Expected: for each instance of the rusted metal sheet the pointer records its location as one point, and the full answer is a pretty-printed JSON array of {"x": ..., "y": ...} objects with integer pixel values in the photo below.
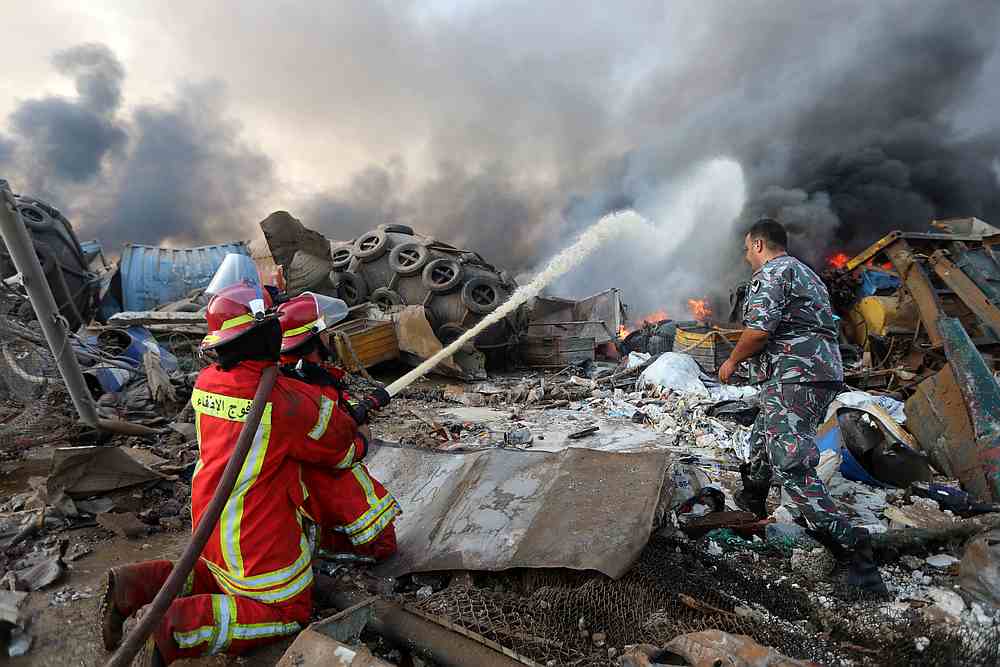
[
  {"x": 967, "y": 290},
  {"x": 599, "y": 316},
  {"x": 871, "y": 251},
  {"x": 982, "y": 397},
  {"x": 556, "y": 351},
  {"x": 938, "y": 420},
  {"x": 498, "y": 509},
  {"x": 919, "y": 285}
]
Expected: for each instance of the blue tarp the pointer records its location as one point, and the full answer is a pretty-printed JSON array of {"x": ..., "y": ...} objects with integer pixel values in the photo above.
[{"x": 874, "y": 281}]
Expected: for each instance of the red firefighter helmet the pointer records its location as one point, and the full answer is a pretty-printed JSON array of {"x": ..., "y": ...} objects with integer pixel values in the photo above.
[
  {"x": 231, "y": 313},
  {"x": 307, "y": 315}
]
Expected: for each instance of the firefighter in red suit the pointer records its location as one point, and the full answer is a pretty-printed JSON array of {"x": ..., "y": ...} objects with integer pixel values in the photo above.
[
  {"x": 354, "y": 511},
  {"x": 253, "y": 582}
]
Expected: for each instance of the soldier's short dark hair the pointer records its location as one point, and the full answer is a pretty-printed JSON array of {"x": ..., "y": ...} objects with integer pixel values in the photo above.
[{"x": 771, "y": 231}]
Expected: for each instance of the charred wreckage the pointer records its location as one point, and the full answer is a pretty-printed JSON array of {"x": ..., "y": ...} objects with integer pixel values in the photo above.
[{"x": 566, "y": 480}]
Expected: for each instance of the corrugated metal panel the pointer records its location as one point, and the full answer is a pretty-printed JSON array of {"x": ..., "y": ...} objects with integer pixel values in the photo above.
[{"x": 154, "y": 276}]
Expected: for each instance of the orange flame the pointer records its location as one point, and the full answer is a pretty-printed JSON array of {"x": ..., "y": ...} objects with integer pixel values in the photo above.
[
  {"x": 700, "y": 309},
  {"x": 652, "y": 318},
  {"x": 838, "y": 261}
]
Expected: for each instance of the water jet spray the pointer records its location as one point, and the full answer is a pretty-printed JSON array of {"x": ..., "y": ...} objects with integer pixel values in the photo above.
[{"x": 590, "y": 240}]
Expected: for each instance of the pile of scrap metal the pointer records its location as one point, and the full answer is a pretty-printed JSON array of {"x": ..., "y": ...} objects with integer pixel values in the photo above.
[
  {"x": 391, "y": 267},
  {"x": 66, "y": 263},
  {"x": 922, "y": 311},
  {"x": 395, "y": 269}
]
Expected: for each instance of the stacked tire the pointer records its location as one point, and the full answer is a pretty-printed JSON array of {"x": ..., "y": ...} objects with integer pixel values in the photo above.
[
  {"x": 73, "y": 285},
  {"x": 391, "y": 265}
]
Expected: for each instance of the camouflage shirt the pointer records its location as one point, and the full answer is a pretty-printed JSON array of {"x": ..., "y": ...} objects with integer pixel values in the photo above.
[{"x": 790, "y": 302}]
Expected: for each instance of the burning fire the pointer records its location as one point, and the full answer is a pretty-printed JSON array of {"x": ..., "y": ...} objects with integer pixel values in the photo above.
[
  {"x": 700, "y": 309},
  {"x": 652, "y": 318},
  {"x": 838, "y": 261}
]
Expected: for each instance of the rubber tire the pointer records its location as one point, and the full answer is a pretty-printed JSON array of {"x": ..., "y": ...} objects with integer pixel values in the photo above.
[
  {"x": 371, "y": 252},
  {"x": 350, "y": 287},
  {"x": 448, "y": 285},
  {"x": 347, "y": 255},
  {"x": 447, "y": 333},
  {"x": 34, "y": 218},
  {"x": 384, "y": 295},
  {"x": 411, "y": 269},
  {"x": 399, "y": 229},
  {"x": 469, "y": 292}
]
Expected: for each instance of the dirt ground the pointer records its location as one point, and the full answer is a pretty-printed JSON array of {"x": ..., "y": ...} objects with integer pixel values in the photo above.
[{"x": 66, "y": 635}]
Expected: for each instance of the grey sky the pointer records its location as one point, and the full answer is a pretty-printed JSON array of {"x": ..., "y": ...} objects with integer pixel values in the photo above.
[{"x": 503, "y": 125}]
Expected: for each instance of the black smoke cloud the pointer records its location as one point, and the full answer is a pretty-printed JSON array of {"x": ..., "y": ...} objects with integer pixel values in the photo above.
[
  {"x": 849, "y": 120},
  {"x": 176, "y": 173},
  {"x": 66, "y": 140},
  {"x": 509, "y": 127}
]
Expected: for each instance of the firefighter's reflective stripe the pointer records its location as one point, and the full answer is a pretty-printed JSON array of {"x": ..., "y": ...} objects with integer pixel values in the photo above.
[
  {"x": 305, "y": 328},
  {"x": 381, "y": 511},
  {"x": 227, "y": 628},
  {"x": 348, "y": 459},
  {"x": 236, "y": 321},
  {"x": 225, "y": 407},
  {"x": 259, "y": 630},
  {"x": 325, "y": 412},
  {"x": 270, "y": 579},
  {"x": 272, "y": 596},
  {"x": 215, "y": 635},
  {"x": 232, "y": 513}
]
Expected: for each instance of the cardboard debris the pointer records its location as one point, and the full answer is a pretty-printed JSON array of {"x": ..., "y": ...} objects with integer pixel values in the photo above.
[
  {"x": 416, "y": 338},
  {"x": 88, "y": 471}
]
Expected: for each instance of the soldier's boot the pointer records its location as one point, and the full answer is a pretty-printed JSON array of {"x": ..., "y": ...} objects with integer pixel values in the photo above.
[
  {"x": 127, "y": 589},
  {"x": 753, "y": 496},
  {"x": 862, "y": 572}
]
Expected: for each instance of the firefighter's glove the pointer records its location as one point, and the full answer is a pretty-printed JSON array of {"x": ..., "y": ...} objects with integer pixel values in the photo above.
[{"x": 378, "y": 399}]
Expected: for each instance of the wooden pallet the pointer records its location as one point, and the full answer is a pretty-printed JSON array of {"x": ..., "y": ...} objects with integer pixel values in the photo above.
[{"x": 364, "y": 343}]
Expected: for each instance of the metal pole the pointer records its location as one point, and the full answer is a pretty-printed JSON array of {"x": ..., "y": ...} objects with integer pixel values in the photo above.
[{"x": 22, "y": 252}]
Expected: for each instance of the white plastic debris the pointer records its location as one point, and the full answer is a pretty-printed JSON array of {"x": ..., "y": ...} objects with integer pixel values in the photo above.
[
  {"x": 636, "y": 359},
  {"x": 921, "y": 644},
  {"x": 860, "y": 399},
  {"x": 950, "y": 602},
  {"x": 675, "y": 371},
  {"x": 941, "y": 561}
]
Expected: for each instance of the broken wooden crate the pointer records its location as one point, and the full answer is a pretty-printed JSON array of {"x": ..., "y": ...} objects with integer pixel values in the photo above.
[{"x": 364, "y": 343}]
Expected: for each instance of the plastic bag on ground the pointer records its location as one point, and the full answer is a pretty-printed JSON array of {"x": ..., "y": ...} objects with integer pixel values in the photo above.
[
  {"x": 675, "y": 371},
  {"x": 858, "y": 399},
  {"x": 636, "y": 359}
]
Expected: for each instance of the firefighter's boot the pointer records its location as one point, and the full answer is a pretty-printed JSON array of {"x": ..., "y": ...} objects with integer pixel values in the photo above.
[
  {"x": 127, "y": 589},
  {"x": 862, "y": 573},
  {"x": 753, "y": 496}
]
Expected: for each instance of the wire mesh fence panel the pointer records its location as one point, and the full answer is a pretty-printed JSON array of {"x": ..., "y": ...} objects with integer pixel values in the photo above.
[
  {"x": 31, "y": 388},
  {"x": 554, "y": 619}
]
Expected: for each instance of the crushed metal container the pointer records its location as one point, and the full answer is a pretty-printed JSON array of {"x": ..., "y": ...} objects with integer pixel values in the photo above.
[
  {"x": 556, "y": 351},
  {"x": 710, "y": 346},
  {"x": 149, "y": 276}
]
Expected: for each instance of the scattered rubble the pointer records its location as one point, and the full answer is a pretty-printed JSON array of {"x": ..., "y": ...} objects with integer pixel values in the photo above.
[{"x": 568, "y": 488}]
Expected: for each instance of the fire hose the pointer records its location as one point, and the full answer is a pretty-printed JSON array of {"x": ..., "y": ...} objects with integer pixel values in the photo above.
[{"x": 154, "y": 612}]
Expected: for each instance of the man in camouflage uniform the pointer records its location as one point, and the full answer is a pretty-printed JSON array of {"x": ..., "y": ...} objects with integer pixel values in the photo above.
[{"x": 791, "y": 341}]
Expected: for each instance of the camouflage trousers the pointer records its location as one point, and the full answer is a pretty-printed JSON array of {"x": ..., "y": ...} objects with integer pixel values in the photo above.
[{"x": 783, "y": 448}]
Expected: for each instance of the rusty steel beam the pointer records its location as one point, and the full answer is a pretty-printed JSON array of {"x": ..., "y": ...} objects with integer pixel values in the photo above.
[
  {"x": 872, "y": 250},
  {"x": 967, "y": 290},
  {"x": 913, "y": 275},
  {"x": 981, "y": 394}
]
